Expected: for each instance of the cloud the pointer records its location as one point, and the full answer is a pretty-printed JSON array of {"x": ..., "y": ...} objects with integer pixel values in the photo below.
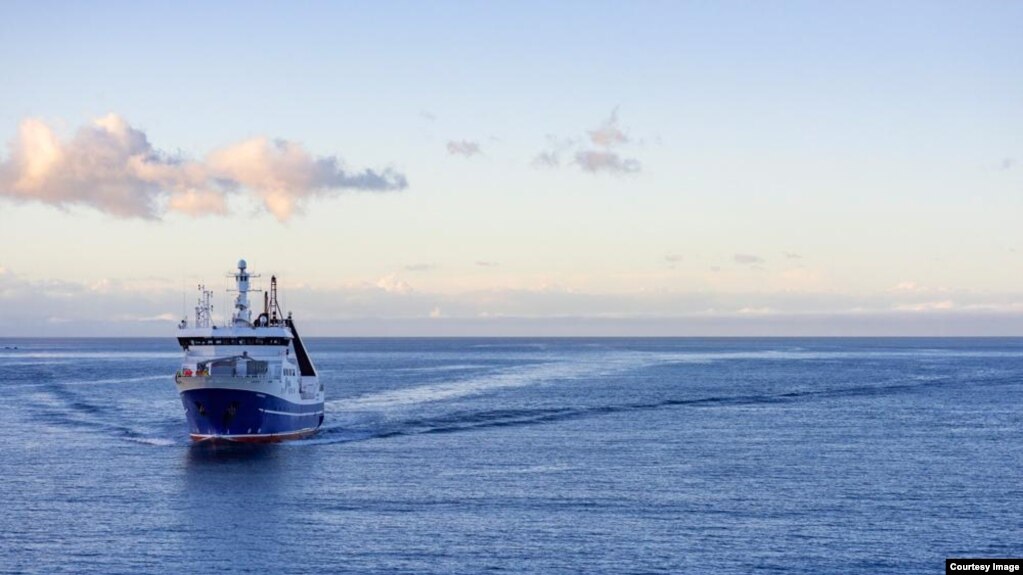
[
  {"x": 162, "y": 317},
  {"x": 747, "y": 259},
  {"x": 594, "y": 161},
  {"x": 283, "y": 174},
  {"x": 906, "y": 287},
  {"x": 464, "y": 148},
  {"x": 394, "y": 285},
  {"x": 595, "y": 154},
  {"x": 107, "y": 165},
  {"x": 912, "y": 288},
  {"x": 198, "y": 202},
  {"x": 34, "y": 306},
  {"x": 557, "y": 148},
  {"x": 608, "y": 134},
  {"x": 548, "y": 159},
  {"x": 389, "y": 306},
  {"x": 792, "y": 256},
  {"x": 941, "y": 305},
  {"x": 112, "y": 167},
  {"x": 420, "y": 267},
  {"x": 756, "y": 311}
]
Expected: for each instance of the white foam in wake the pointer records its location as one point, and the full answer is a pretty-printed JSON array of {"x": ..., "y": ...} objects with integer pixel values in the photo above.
[
  {"x": 155, "y": 441},
  {"x": 509, "y": 378},
  {"x": 161, "y": 377},
  {"x": 113, "y": 380},
  {"x": 602, "y": 364}
]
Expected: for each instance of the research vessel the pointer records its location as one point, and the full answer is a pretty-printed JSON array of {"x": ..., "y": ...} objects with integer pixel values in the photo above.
[{"x": 251, "y": 380}]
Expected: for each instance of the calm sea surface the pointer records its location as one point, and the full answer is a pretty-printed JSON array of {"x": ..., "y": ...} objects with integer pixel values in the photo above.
[{"x": 526, "y": 456}]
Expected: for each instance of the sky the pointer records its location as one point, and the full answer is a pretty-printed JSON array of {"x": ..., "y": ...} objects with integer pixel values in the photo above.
[{"x": 516, "y": 168}]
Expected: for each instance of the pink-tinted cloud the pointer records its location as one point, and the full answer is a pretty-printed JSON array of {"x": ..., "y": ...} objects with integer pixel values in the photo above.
[
  {"x": 609, "y": 134},
  {"x": 107, "y": 165},
  {"x": 605, "y": 161},
  {"x": 283, "y": 174},
  {"x": 596, "y": 154},
  {"x": 111, "y": 166}
]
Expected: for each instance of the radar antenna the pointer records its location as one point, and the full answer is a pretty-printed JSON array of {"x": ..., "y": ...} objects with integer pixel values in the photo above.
[
  {"x": 242, "y": 312},
  {"x": 204, "y": 307}
]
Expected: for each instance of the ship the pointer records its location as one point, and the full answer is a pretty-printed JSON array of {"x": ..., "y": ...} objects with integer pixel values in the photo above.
[{"x": 251, "y": 380}]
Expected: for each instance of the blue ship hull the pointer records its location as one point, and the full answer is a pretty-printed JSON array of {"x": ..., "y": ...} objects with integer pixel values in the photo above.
[{"x": 241, "y": 415}]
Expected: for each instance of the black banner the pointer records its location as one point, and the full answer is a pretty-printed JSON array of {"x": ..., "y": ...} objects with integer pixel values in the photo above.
[{"x": 966, "y": 565}]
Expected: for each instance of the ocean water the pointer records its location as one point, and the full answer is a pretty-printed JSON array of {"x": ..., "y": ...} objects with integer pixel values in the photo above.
[{"x": 526, "y": 456}]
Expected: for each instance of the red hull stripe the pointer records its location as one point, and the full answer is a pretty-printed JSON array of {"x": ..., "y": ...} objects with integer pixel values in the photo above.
[{"x": 256, "y": 438}]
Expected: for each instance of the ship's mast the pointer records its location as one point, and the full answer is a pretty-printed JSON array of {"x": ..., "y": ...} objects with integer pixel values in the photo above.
[
  {"x": 242, "y": 312},
  {"x": 204, "y": 307},
  {"x": 274, "y": 308}
]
